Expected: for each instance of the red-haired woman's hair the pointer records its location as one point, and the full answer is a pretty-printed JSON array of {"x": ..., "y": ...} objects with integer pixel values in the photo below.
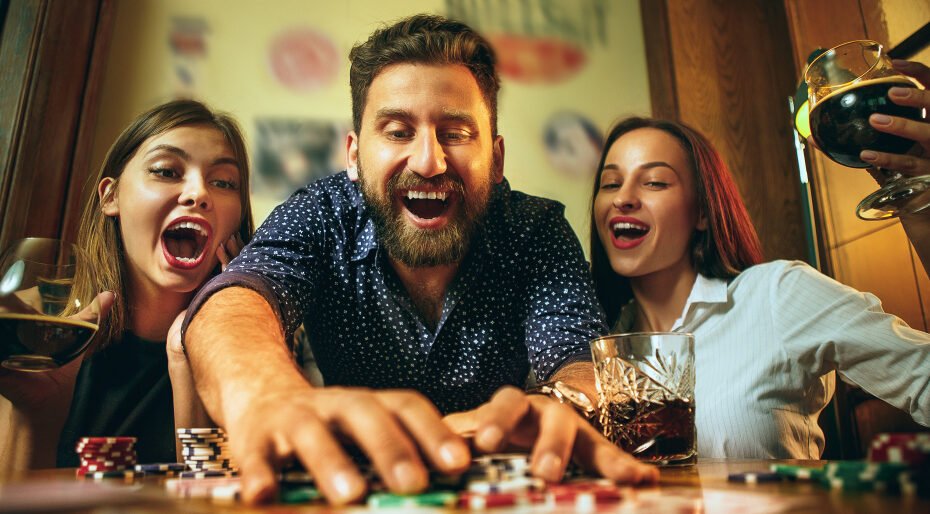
[{"x": 728, "y": 245}]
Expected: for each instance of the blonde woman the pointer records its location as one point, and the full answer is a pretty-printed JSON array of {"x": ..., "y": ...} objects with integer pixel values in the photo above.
[{"x": 170, "y": 209}]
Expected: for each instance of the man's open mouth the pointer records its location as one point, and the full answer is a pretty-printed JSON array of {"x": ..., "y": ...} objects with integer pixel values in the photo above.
[
  {"x": 426, "y": 204},
  {"x": 629, "y": 231},
  {"x": 185, "y": 242}
]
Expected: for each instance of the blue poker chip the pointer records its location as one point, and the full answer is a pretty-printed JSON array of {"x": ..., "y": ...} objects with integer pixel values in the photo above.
[
  {"x": 208, "y": 474},
  {"x": 161, "y": 468},
  {"x": 755, "y": 477}
]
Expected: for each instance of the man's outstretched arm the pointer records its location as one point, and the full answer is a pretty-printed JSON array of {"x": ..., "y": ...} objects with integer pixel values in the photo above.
[{"x": 250, "y": 385}]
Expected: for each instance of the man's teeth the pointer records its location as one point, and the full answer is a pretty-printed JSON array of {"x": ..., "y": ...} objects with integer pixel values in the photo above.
[
  {"x": 191, "y": 225},
  {"x": 629, "y": 226},
  {"x": 423, "y": 195}
]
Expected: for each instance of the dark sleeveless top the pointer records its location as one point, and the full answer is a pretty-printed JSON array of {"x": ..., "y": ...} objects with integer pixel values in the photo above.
[{"x": 123, "y": 390}]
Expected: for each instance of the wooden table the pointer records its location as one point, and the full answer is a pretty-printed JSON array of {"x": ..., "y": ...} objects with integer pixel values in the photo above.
[{"x": 693, "y": 489}]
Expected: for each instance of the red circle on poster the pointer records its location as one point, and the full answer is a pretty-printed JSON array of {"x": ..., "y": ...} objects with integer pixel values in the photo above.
[
  {"x": 303, "y": 59},
  {"x": 531, "y": 59}
]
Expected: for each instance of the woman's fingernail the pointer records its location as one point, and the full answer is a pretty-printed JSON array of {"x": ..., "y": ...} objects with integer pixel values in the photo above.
[
  {"x": 490, "y": 438},
  {"x": 868, "y": 155},
  {"x": 900, "y": 63},
  {"x": 453, "y": 454},
  {"x": 900, "y": 92},
  {"x": 881, "y": 119},
  {"x": 549, "y": 467}
]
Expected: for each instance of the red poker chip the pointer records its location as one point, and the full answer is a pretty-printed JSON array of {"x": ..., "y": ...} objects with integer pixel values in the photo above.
[
  {"x": 107, "y": 440},
  {"x": 475, "y": 501}
]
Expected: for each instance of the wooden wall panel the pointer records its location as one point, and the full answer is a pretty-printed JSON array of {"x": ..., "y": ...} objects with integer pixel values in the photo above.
[
  {"x": 733, "y": 73},
  {"x": 52, "y": 74}
]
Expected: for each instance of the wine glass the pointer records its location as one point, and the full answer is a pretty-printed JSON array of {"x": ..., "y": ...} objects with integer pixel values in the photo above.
[
  {"x": 42, "y": 327},
  {"x": 847, "y": 84}
]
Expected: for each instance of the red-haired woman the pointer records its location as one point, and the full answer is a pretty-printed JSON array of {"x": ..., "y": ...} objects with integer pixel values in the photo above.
[{"x": 673, "y": 249}]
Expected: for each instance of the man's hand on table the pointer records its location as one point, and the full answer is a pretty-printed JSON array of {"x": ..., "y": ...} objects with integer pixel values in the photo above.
[
  {"x": 393, "y": 428},
  {"x": 554, "y": 432}
]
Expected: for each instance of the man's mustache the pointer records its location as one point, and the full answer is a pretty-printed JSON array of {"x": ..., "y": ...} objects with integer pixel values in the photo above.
[{"x": 410, "y": 180}]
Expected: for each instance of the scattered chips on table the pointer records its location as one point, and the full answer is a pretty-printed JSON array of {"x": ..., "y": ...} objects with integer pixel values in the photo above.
[{"x": 897, "y": 463}]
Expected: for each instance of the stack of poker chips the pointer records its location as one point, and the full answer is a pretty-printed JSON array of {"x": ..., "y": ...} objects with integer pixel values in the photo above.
[
  {"x": 897, "y": 463},
  {"x": 206, "y": 453},
  {"x": 107, "y": 457}
]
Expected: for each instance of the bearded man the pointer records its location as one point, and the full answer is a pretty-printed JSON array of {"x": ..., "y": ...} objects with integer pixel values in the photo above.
[{"x": 427, "y": 287}]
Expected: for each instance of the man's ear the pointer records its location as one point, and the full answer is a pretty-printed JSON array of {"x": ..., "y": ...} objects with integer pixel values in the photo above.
[
  {"x": 352, "y": 156},
  {"x": 107, "y": 192},
  {"x": 497, "y": 170}
]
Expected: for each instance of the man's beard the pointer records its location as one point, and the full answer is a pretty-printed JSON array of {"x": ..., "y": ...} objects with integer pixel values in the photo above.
[{"x": 419, "y": 248}]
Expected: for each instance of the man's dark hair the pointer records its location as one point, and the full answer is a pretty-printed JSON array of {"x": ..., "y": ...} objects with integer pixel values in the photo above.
[{"x": 423, "y": 39}]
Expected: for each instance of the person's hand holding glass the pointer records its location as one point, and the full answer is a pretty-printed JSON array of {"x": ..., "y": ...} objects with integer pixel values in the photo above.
[{"x": 847, "y": 85}]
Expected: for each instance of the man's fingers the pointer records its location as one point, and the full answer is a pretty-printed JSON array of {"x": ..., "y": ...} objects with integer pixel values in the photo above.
[
  {"x": 906, "y": 164},
  {"x": 498, "y": 418},
  {"x": 378, "y": 433},
  {"x": 332, "y": 469},
  {"x": 557, "y": 431},
  {"x": 259, "y": 483},
  {"x": 445, "y": 450},
  {"x": 599, "y": 455}
]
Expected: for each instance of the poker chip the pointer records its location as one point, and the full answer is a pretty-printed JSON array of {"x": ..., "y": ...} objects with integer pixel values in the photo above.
[
  {"x": 208, "y": 474},
  {"x": 201, "y": 431},
  {"x": 428, "y": 499},
  {"x": 100, "y": 475},
  {"x": 797, "y": 472},
  {"x": 106, "y": 457},
  {"x": 205, "y": 449},
  {"x": 755, "y": 477},
  {"x": 299, "y": 494},
  {"x": 161, "y": 469},
  {"x": 910, "y": 449}
]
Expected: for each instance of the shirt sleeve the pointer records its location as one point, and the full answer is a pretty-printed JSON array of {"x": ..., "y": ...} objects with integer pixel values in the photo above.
[
  {"x": 563, "y": 315},
  {"x": 281, "y": 262},
  {"x": 832, "y": 326}
]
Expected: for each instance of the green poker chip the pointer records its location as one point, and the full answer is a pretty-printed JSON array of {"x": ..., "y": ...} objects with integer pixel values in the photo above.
[{"x": 430, "y": 499}]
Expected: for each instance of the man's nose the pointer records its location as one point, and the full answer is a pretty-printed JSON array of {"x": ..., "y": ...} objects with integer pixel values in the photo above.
[{"x": 428, "y": 158}]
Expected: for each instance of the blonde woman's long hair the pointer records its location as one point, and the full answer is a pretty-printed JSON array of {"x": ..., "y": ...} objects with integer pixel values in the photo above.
[{"x": 102, "y": 267}]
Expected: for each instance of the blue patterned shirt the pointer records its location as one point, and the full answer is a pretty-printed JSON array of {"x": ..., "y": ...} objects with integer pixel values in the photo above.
[{"x": 522, "y": 296}]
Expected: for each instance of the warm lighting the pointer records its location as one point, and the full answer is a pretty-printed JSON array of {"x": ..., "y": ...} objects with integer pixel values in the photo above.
[
  {"x": 802, "y": 111},
  {"x": 801, "y": 105}
]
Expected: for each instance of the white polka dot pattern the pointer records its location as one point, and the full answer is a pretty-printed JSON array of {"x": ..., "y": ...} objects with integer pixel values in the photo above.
[{"x": 523, "y": 296}]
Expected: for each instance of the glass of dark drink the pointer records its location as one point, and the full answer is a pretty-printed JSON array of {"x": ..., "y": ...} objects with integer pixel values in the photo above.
[
  {"x": 846, "y": 85},
  {"x": 42, "y": 326},
  {"x": 645, "y": 393}
]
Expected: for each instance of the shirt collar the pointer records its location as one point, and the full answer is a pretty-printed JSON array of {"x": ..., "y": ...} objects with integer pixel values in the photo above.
[{"x": 704, "y": 291}]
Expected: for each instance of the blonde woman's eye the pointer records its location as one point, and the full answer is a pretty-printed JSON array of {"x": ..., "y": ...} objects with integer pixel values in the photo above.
[
  {"x": 163, "y": 172},
  {"x": 226, "y": 184}
]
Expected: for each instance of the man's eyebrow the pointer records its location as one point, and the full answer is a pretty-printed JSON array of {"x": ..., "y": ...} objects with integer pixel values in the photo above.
[
  {"x": 447, "y": 115},
  {"x": 460, "y": 116},
  {"x": 389, "y": 113}
]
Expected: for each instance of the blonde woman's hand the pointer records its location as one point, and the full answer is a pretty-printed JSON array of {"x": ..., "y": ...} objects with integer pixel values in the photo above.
[
  {"x": 229, "y": 249},
  {"x": 43, "y": 390}
]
